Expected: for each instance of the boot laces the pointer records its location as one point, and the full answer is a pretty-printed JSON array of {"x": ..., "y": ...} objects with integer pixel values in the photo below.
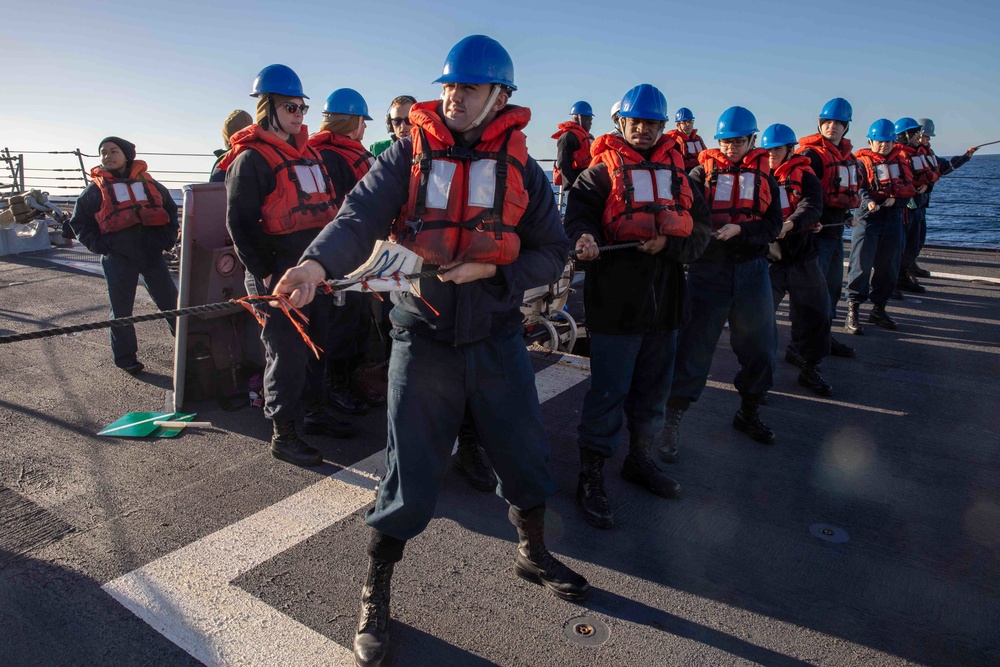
[{"x": 376, "y": 604}]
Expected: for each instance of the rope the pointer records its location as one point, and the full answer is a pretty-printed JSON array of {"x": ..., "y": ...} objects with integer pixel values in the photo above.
[
  {"x": 121, "y": 322},
  {"x": 608, "y": 248}
]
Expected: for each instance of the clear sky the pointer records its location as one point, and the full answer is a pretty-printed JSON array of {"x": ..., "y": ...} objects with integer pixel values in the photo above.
[{"x": 164, "y": 75}]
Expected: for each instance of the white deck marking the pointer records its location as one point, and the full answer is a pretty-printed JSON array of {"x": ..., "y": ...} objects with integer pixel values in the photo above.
[
  {"x": 816, "y": 399},
  {"x": 950, "y": 276},
  {"x": 187, "y": 596}
]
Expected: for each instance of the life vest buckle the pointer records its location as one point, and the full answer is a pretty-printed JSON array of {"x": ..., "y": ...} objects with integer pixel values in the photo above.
[
  {"x": 460, "y": 153},
  {"x": 415, "y": 226}
]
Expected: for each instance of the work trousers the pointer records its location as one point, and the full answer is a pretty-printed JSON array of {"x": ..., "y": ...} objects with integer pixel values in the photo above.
[
  {"x": 740, "y": 293},
  {"x": 293, "y": 376},
  {"x": 431, "y": 385},
  {"x": 630, "y": 375},
  {"x": 831, "y": 266},
  {"x": 914, "y": 233},
  {"x": 347, "y": 327},
  {"x": 875, "y": 257},
  {"x": 808, "y": 306},
  {"x": 122, "y": 274}
]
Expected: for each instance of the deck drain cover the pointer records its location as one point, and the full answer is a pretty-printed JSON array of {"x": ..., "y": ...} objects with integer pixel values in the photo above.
[
  {"x": 586, "y": 631},
  {"x": 829, "y": 533}
]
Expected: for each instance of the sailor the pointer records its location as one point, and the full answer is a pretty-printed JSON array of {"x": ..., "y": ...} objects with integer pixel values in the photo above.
[
  {"x": 876, "y": 241},
  {"x": 829, "y": 153},
  {"x": 635, "y": 300},
  {"x": 279, "y": 196},
  {"x": 468, "y": 199},
  {"x": 916, "y": 229},
  {"x": 397, "y": 123},
  {"x": 128, "y": 219},
  {"x": 730, "y": 281},
  {"x": 338, "y": 142},
  {"x": 234, "y": 122},
  {"x": 615, "y": 108},
  {"x": 686, "y": 136},
  {"x": 794, "y": 268},
  {"x": 573, "y": 140}
]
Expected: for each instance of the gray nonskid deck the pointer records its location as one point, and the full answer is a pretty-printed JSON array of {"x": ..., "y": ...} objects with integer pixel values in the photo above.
[{"x": 903, "y": 460}]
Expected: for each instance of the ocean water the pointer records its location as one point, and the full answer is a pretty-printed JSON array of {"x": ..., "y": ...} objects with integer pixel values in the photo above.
[{"x": 965, "y": 206}]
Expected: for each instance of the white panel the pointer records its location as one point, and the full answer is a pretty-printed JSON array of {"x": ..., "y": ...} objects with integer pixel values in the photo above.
[
  {"x": 139, "y": 192},
  {"x": 439, "y": 183},
  {"x": 482, "y": 183},
  {"x": 747, "y": 182},
  {"x": 664, "y": 184},
  {"x": 306, "y": 179},
  {"x": 121, "y": 192},
  {"x": 724, "y": 188},
  {"x": 642, "y": 181}
]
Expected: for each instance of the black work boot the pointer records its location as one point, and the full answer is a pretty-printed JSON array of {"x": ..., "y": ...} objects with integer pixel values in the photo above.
[
  {"x": 794, "y": 357},
  {"x": 289, "y": 447},
  {"x": 639, "y": 468},
  {"x": 468, "y": 461},
  {"x": 907, "y": 283},
  {"x": 918, "y": 272},
  {"x": 371, "y": 643},
  {"x": 590, "y": 494},
  {"x": 881, "y": 318},
  {"x": 813, "y": 381},
  {"x": 748, "y": 420},
  {"x": 839, "y": 349},
  {"x": 853, "y": 324},
  {"x": 671, "y": 435},
  {"x": 320, "y": 422},
  {"x": 340, "y": 395},
  {"x": 534, "y": 563}
]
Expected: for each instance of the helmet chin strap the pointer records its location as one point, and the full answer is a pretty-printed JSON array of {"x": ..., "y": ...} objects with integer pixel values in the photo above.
[{"x": 494, "y": 94}]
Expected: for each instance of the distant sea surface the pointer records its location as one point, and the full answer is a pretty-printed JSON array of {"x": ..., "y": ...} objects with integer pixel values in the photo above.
[{"x": 965, "y": 206}]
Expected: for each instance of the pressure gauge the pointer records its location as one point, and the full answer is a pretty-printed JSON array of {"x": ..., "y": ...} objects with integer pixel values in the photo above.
[{"x": 225, "y": 264}]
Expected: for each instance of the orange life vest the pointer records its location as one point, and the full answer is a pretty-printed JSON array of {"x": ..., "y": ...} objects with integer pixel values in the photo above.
[
  {"x": 840, "y": 171},
  {"x": 581, "y": 156},
  {"x": 887, "y": 176},
  {"x": 924, "y": 171},
  {"x": 736, "y": 193},
  {"x": 789, "y": 176},
  {"x": 352, "y": 151},
  {"x": 303, "y": 197},
  {"x": 932, "y": 160},
  {"x": 689, "y": 146},
  {"x": 126, "y": 202},
  {"x": 649, "y": 197},
  {"x": 465, "y": 204}
]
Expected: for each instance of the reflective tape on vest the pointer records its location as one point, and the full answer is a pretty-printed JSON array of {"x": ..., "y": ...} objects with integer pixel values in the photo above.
[
  {"x": 642, "y": 184},
  {"x": 931, "y": 159},
  {"x": 439, "y": 183},
  {"x": 310, "y": 178},
  {"x": 724, "y": 187},
  {"x": 747, "y": 183},
  {"x": 695, "y": 147},
  {"x": 783, "y": 195},
  {"x": 482, "y": 183},
  {"x": 918, "y": 162},
  {"x": 887, "y": 171},
  {"x": 122, "y": 192},
  {"x": 848, "y": 177}
]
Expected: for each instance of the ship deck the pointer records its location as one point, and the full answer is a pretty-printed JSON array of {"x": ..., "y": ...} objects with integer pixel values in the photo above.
[{"x": 868, "y": 535}]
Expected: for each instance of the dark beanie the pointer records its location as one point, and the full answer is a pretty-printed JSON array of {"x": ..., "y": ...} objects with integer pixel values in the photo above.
[{"x": 128, "y": 148}]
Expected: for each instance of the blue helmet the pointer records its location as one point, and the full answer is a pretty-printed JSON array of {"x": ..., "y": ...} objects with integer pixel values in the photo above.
[
  {"x": 736, "y": 122},
  {"x": 837, "y": 109},
  {"x": 278, "y": 79},
  {"x": 683, "y": 114},
  {"x": 928, "y": 126},
  {"x": 777, "y": 135},
  {"x": 644, "y": 101},
  {"x": 478, "y": 59},
  {"x": 882, "y": 130},
  {"x": 581, "y": 108},
  {"x": 348, "y": 101},
  {"x": 905, "y": 124}
]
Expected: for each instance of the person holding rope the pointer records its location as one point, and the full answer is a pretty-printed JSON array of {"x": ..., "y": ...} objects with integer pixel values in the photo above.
[
  {"x": 877, "y": 240},
  {"x": 917, "y": 233},
  {"x": 347, "y": 161},
  {"x": 831, "y": 159},
  {"x": 279, "y": 196},
  {"x": 463, "y": 194},
  {"x": 130, "y": 220},
  {"x": 794, "y": 267},
  {"x": 730, "y": 281},
  {"x": 636, "y": 190}
]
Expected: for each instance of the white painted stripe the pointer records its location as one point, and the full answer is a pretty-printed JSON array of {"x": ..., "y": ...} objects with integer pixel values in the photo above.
[
  {"x": 817, "y": 399},
  {"x": 187, "y": 596},
  {"x": 950, "y": 276},
  {"x": 131, "y": 424}
]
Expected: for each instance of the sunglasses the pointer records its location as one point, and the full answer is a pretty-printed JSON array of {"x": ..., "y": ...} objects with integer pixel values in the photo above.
[
  {"x": 292, "y": 108},
  {"x": 399, "y": 121}
]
